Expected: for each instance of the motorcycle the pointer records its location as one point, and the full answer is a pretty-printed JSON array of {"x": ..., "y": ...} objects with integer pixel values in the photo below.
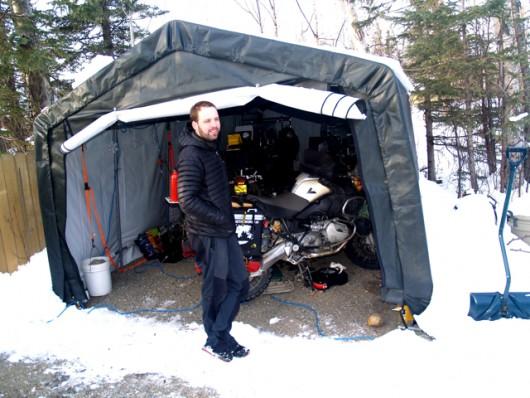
[{"x": 316, "y": 218}]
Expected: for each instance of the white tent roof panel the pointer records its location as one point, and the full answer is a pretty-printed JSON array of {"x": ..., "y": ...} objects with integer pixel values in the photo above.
[{"x": 305, "y": 99}]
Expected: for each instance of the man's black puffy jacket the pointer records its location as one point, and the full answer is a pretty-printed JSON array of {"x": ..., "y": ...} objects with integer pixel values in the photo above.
[{"x": 204, "y": 193}]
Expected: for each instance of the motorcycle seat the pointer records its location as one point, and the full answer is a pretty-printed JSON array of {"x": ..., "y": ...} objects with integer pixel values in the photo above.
[{"x": 285, "y": 205}]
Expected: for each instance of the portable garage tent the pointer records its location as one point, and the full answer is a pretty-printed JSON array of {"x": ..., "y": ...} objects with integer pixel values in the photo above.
[{"x": 124, "y": 151}]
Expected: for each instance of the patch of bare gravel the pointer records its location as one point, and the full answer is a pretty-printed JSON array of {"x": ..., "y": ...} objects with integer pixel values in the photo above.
[{"x": 343, "y": 311}]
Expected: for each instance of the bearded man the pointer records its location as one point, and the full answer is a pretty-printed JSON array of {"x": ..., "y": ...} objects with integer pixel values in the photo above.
[{"x": 205, "y": 199}]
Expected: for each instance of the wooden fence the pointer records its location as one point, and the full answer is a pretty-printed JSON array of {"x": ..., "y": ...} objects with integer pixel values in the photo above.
[{"x": 21, "y": 232}]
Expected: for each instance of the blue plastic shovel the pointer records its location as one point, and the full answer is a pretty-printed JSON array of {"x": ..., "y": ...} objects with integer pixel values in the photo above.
[{"x": 493, "y": 306}]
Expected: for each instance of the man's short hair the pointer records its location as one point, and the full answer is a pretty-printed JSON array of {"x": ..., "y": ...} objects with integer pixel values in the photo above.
[{"x": 194, "y": 111}]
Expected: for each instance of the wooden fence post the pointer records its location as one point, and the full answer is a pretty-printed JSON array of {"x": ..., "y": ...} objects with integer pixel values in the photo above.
[
  {"x": 21, "y": 232},
  {"x": 32, "y": 172},
  {"x": 29, "y": 227}
]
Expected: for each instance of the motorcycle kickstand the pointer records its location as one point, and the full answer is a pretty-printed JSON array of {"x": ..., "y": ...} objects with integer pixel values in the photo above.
[{"x": 304, "y": 273}]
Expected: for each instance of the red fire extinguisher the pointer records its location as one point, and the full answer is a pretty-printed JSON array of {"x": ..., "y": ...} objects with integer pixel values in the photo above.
[{"x": 173, "y": 186}]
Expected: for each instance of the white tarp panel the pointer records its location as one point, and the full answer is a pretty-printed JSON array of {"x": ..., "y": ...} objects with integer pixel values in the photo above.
[{"x": 306, "y": 99}]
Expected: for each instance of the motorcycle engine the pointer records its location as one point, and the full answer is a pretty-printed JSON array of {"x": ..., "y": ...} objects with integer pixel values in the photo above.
[{"x": 326, "y": 232}]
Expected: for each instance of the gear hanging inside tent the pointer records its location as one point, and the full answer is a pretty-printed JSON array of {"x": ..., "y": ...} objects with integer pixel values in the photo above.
[{"x": 91, "y": 209}]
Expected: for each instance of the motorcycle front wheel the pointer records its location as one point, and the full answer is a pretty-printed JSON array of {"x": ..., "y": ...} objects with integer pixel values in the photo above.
[
  {"x": 258, "y": 284},
  {"x": 361, "y": 251}
]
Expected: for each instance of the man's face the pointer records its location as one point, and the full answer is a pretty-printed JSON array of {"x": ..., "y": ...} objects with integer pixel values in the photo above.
[{"x": 208, "y": 124}]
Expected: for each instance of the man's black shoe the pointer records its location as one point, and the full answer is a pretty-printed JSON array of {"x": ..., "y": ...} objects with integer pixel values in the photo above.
[
  {"x": 239, "y": 351},
  {"x": 225, "y": 356}
]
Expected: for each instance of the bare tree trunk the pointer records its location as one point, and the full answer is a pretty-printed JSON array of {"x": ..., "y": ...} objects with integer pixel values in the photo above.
[
  {"x": 108, "y": 44},
  {"x": 256, "y": 13},
  {"x": 470, "y": 147},
  {"x": 504, "y": 143},
  {"x": 36, "y": 79},
  {"x": 503, "y": 105},
  {"x": 522, "y": 51},
  {"x": 360, "y": 43},
  {"x": 489, "y": 136},
  {"x": 460, "y": 161},
  {"x": 314, "y": 30},
  {"x": 468, "y": 110},
  {"x": 129, "y": 15},
  {"x": 431, "y": 166},
  {"x": 487, "y": 111},
  {"x": 274, "y": 16}
]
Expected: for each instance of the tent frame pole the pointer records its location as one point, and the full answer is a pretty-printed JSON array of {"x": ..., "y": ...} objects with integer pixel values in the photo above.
[{"x": 116, "y": 154}]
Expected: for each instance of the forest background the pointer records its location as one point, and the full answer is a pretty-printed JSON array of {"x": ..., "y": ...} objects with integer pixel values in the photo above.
[{"x": 468, "y": 61}]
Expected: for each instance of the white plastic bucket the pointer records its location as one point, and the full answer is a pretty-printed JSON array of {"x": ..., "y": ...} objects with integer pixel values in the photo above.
[{"x": 96, "y": 271}]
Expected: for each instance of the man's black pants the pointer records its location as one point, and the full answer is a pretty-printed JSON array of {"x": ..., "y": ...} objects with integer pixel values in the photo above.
[{"x": 225, "y": 285}]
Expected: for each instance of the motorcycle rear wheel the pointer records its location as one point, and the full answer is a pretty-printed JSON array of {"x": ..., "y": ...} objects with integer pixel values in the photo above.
[
  {"x": 361, "y": 251},
  {"x": 258, "y": 284}
]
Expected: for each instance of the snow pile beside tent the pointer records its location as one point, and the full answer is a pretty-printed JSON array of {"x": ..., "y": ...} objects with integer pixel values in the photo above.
[
  {"x": 465, "y": 257},
  {"x": 467, "y": 358}
]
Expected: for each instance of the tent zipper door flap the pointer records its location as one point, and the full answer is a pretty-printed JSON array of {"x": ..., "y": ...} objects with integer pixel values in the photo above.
[{"x": 493, "y": 306}]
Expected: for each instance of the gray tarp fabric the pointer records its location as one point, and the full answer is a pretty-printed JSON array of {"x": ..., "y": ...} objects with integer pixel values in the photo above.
[{"x": 181, "y": 60}]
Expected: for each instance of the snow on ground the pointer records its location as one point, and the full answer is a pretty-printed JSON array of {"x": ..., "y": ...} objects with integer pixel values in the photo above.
[{"x": 467, "y": 358}]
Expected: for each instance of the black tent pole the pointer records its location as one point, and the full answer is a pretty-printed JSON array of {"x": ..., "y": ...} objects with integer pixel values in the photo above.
[{"x": 117, "y": 188}]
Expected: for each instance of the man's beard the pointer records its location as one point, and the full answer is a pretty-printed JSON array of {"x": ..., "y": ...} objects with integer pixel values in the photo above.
[{"x": 207, "y": 134}]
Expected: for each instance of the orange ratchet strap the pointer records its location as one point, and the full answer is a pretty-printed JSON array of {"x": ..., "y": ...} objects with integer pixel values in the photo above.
[{"x": 90, "y": 201}]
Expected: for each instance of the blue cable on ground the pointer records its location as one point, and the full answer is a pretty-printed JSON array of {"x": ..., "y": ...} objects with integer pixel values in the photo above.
[
  {"x": 158, "y": 265},
  {"x": 195, "y": 306},
  {"x": 317, "y": 321},
  {"x": 112, "y": 308},
  {"x": 156, "y": 310},
  {"x": 60, "y": 313}
]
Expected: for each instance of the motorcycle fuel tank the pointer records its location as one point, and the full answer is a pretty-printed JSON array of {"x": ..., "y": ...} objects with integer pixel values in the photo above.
[{"x": 309, "y": 188}]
